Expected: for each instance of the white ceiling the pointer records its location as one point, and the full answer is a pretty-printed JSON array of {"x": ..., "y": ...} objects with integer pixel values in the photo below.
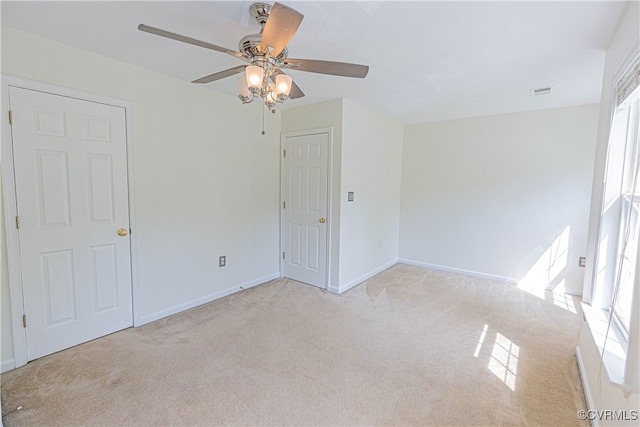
[{"x": 428, "y": 60}]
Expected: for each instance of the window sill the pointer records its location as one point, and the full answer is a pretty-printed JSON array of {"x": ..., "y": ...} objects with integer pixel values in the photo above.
[{"x": 615, "y": 351}]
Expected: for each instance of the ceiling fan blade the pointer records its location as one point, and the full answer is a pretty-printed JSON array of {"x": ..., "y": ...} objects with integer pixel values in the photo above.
[
  {"x": 220, "y": 75},
  {"x": 185, "y": 39},
  {"x": 344, "y": 69},
  {"x": 282, "y": 24},
  {"x": 295, "y": 91}
]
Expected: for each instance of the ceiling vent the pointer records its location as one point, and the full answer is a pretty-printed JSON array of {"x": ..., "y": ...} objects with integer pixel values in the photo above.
[{"x": 541, "y": 91}]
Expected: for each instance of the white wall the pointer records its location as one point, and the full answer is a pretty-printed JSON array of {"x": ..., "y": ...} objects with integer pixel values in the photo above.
[
  {"x": 371, "y": 168},
  {"x": 623, "y": 46},
  {"x": 503, "y": 196},
  {"x": 206, "y": 180},
  {"x": 366, "y": 159},
  {"x": 324, "y": 115}
]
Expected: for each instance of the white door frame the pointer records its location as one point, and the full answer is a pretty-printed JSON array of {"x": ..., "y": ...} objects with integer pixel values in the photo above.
[
  {"x": 10, "y": 202},
  {"x": 283, "y": 136}
]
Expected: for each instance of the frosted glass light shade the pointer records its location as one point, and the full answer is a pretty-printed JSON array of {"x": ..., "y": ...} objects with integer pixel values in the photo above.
[
  {"x": 243, "y": 89},
  {"x": 271, "y": 96},
  {"x": 283, "y": 84},
  {"x": 254, "y": 76}
]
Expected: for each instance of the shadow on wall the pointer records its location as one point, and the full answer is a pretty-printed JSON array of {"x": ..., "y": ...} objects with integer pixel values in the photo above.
[{"x": 546, "y": 279}]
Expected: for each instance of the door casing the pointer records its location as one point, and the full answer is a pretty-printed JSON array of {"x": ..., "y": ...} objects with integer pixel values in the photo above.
[
  {"x": 10, "y": 206},
  {"x": 283, "y": 136}
]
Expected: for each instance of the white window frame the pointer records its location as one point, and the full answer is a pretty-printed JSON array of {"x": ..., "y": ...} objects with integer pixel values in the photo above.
[
  {"x": 627, "y": 191},
  {"x": 617, "y": 343}
]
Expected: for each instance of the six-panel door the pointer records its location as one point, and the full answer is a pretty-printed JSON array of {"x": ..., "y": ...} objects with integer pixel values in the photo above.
[
  {"x": 305, "y": 213},
  {"x": 72, "y": 198}
]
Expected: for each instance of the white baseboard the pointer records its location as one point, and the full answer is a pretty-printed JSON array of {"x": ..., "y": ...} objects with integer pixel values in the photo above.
[
  {"x": 212, "y": 297},
  {"x": 355, "y": 282},
  {"x": 333, "y": 289},
  {"x": 585, "y": 386},
  {"x": 459, "y": 271},
  {"x": 7, "y": 365}
]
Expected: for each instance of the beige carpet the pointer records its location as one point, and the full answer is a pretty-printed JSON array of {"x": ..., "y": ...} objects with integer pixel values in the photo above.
[{"x": 408, "y": 347}]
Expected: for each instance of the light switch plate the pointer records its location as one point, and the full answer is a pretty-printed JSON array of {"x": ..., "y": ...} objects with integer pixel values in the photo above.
[{"x": 350, "y": 196}]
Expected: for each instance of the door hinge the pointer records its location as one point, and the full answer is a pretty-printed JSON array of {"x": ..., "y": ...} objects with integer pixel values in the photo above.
[
  {"x": 24, "y": 320},
  {"x": 282, "y": 255},
  {"x": 18, "y": 222},
  {"x": 10, "y": 117},
  {"x": 284, "y": 205},
  {"x": 285, "y": 154}
]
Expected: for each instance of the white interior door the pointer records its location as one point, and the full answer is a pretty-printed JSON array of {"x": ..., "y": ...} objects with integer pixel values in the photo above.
[
  {"x": 305, "y": 208},
  {"x": 70, "y": 166}
]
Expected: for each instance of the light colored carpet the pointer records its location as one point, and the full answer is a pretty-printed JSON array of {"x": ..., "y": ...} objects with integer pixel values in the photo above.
[{"x": 408, "y": 347}]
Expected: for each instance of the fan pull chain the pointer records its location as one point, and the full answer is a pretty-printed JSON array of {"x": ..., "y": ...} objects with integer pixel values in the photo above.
[{"x": 263, "y": 118}]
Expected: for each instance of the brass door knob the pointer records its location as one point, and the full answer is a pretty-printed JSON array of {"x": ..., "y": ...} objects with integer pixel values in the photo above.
[
  {"x": 322, "y": 220},
  {"x": 122, "y": 232}
]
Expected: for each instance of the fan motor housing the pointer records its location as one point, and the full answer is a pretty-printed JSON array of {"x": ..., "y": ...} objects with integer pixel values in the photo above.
[{"x": 250, "y": 46}]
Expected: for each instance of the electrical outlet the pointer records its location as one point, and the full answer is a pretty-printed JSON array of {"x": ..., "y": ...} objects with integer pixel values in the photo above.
[
  {"x": 582, "y": 261},
  {"x": 222, "y": 261}
]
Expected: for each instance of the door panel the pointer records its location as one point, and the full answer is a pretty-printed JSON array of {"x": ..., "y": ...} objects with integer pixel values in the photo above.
[
  {"x": 53, "y": 188},
  {"x": 103, "y": 277},
  {"x": 306, "y": 198},
  {"x": 72, "y": 196},
  {"x": 100, "y": 177},
  {"x": 59, "y": 287},
  {"x": 313, "y": 244}
]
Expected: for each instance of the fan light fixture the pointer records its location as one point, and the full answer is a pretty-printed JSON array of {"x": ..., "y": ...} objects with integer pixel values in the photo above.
[{"x": 255, "y": 84}]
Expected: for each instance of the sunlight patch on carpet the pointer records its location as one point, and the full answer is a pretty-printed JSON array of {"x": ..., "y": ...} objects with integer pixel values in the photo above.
[
  {"x": 481, "y": 340},
  {"x": 504, "y": 360}
]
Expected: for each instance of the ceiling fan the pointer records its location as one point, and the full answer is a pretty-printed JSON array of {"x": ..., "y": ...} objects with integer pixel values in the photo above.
[{"x": 267, "y": 54}]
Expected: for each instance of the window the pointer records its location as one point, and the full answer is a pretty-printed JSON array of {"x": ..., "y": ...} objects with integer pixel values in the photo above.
[
  {"x": 629, "y": 200},
  {"x": 615, "y": 285}
]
